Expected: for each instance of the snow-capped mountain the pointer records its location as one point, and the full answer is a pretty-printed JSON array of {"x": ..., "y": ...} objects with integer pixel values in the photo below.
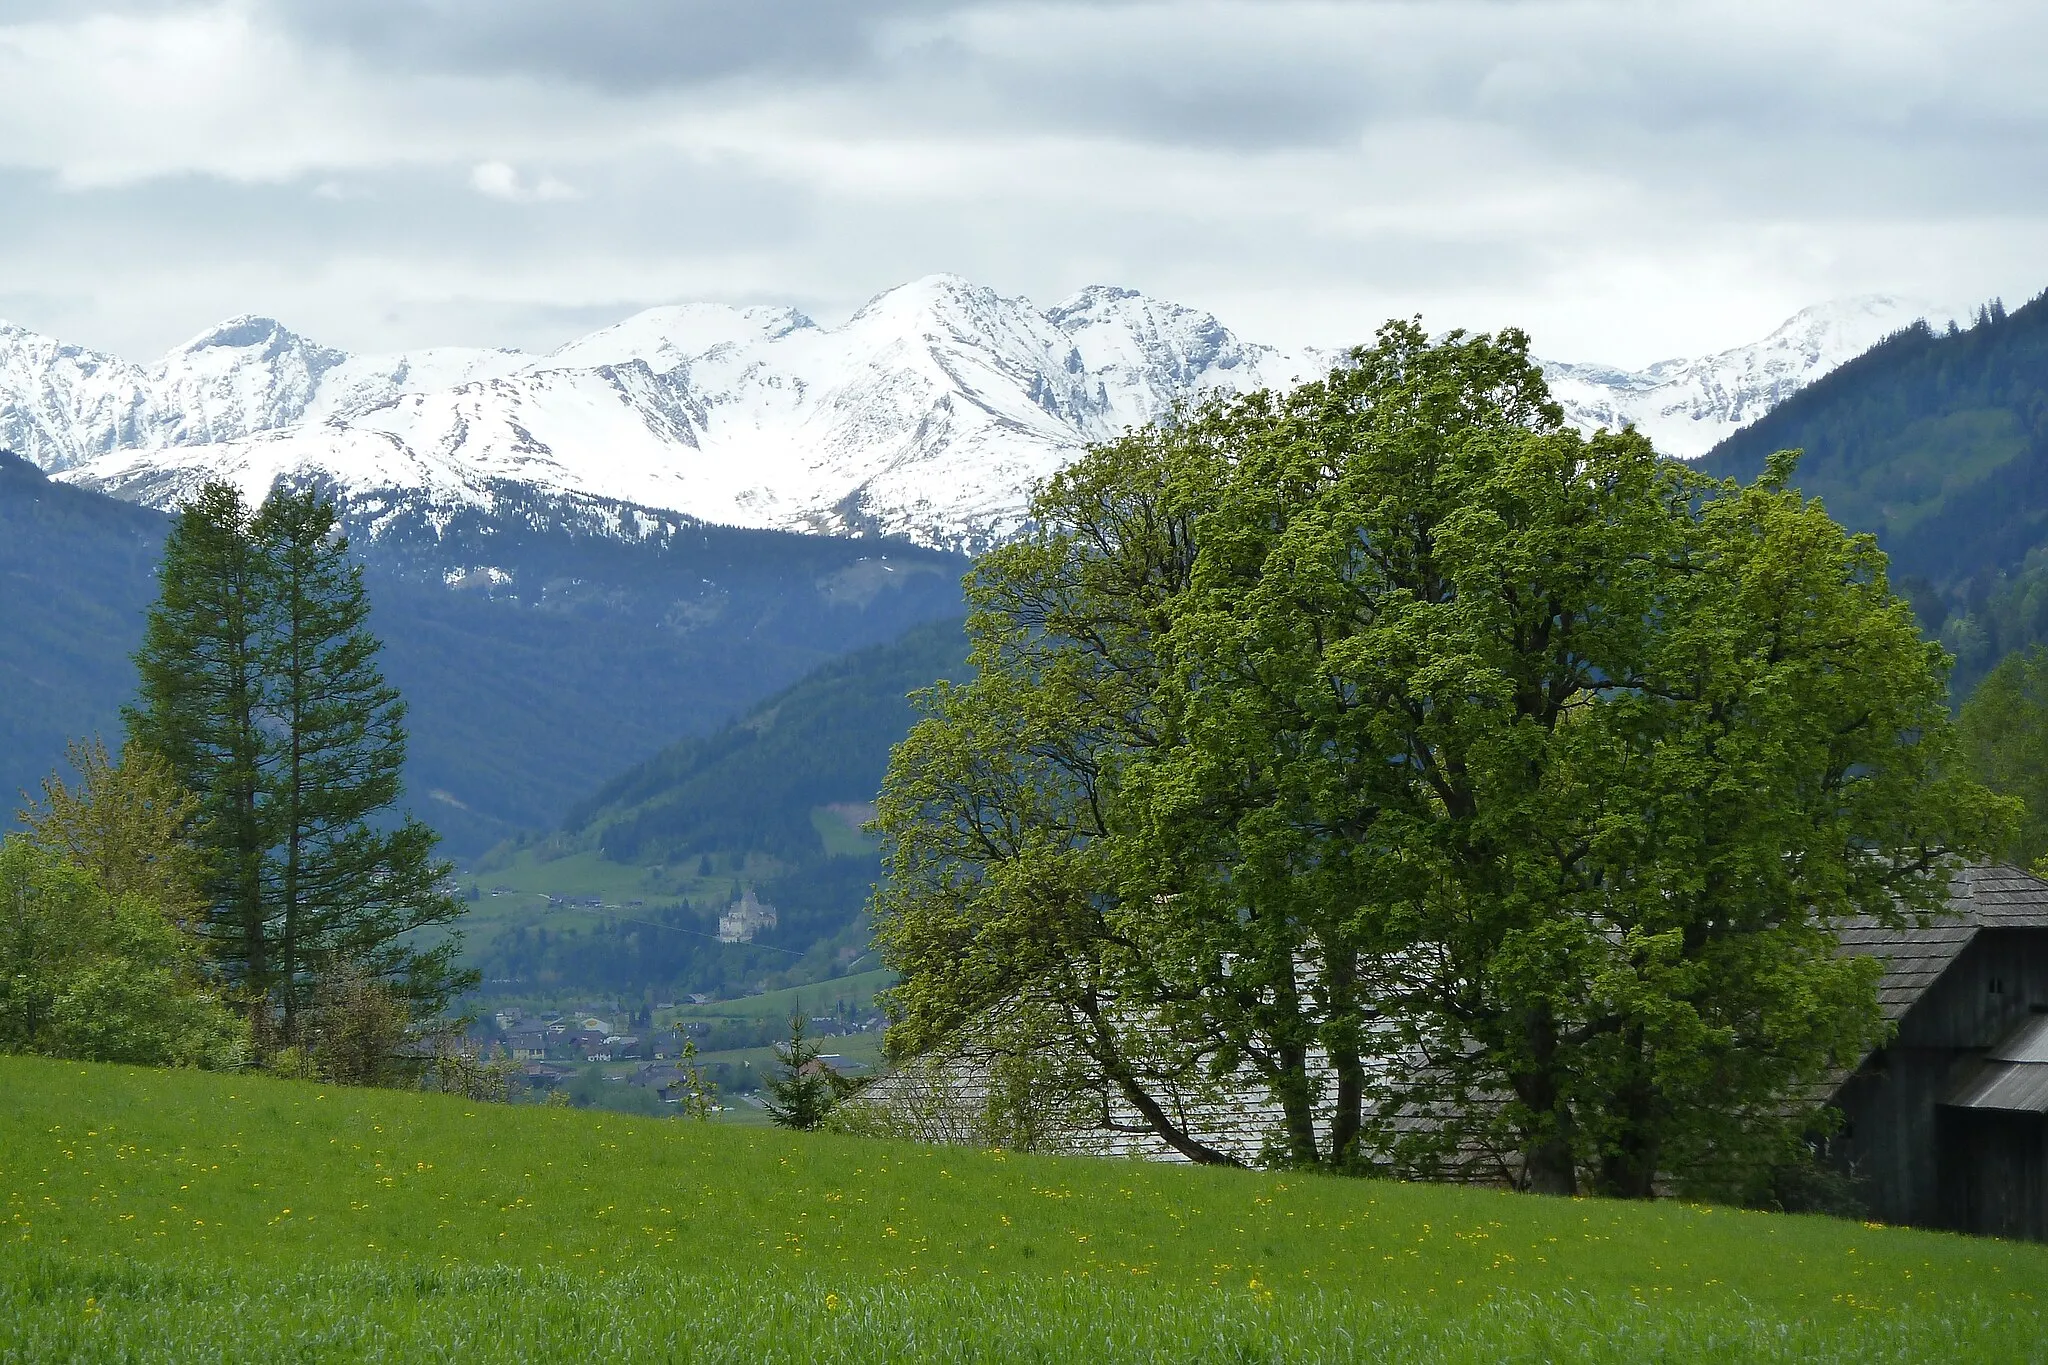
[
  {"x": 930, "y": 413},
  {"x": 1686, "y": 407}
]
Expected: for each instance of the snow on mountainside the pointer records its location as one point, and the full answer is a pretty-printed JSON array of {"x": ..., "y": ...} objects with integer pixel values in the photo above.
[
  {"x": 930, "y": 413},
  {"x": 1686, "y": 407}
]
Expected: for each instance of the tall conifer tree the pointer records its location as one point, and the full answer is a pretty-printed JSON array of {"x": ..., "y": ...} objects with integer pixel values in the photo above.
[
  {"x": 201, "y": 688},
  {"x": 260, "y": 685},
  {"x": 345, "y": 891}
]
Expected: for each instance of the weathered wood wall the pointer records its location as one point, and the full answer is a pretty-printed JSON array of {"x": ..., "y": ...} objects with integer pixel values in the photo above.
[{"x": 1968, "y": 1170}]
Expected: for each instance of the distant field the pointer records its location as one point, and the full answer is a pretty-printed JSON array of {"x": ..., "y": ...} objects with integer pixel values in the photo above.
[
  {"x": 516, "y": 891},
  {"x": 604, "y": 951},
  {"x": 167, "y": 1216},
  {"x": 856, "y": 991},
  {"x": 841, "y": 829}
]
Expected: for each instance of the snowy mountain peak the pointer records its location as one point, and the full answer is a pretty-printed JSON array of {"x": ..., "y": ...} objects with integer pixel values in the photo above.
[
  {"x": 246, "y": 332},
  {"x": 1687, "y": 406},
  {"x": 675, "y": 335},
  {"x": 246, "y": 375},
  {"x": 941, "y": 306},
  {"x": 1096, "y": 296},
  {"x": 931, "y": 412}
]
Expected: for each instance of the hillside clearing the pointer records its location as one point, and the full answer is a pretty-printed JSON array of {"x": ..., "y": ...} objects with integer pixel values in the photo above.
[{"x": 181, "y": 1215}]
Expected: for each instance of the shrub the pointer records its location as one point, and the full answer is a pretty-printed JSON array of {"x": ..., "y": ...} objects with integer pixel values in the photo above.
[{"x": 88, "y": 975}]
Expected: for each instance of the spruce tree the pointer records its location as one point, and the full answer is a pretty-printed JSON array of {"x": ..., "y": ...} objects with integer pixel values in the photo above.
[
  {"x": 260, "y": 686},
  {"x": 345, "y": 891},
  {"x": 200, "y": 689},
  {"x": 806, "y": 1089}
]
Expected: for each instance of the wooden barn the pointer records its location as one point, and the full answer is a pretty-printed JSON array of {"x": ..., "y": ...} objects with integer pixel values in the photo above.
[{"x": 1947, "y": 1126}]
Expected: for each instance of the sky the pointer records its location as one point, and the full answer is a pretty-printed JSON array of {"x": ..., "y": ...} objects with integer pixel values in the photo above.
[{"x": 1628, "y": 181}]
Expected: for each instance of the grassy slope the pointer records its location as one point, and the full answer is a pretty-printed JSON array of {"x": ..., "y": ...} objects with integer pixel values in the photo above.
[
  {"x": 857, "y": 991},
  {"x": 164, "y": 1215}
]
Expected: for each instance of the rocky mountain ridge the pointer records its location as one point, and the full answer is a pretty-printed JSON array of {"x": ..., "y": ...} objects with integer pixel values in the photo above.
[{"x": 929, "y": 414}]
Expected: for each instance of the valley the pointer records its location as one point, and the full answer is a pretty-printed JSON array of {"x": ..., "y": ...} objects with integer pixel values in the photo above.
[
  {"x": 627, "y": 894},
  {"x": 550, "y": 640},
  {"x": 536, "y": 659}
]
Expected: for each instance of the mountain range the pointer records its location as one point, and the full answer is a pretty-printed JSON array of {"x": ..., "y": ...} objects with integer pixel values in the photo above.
[
  {"x": 550, "y": 629},
  {"x": 929, "y": 414}
]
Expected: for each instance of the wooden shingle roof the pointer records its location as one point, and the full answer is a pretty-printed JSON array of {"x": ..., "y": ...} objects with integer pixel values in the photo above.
[{"x": 1987, "y": 897}]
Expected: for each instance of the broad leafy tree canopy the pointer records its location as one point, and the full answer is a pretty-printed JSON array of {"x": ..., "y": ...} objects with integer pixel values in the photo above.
[{"x": 1484, "y": 792}]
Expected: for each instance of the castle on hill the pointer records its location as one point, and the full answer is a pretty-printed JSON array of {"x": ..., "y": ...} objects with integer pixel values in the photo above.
[{"x": 745, "y": 918}]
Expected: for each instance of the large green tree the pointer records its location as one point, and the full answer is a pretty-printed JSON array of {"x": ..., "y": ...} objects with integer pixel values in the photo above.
[
  {"x": 1486, "y": 792},
  {"x": 260, "y": 685},
  {"x": 1005, "y": 903},
  {"x": 2004, "y": 727}
]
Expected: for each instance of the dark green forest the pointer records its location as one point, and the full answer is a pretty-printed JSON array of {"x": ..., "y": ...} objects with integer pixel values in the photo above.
[
  {"x": 751, "y": 786},
  {"x": 1938, "y": 442}
]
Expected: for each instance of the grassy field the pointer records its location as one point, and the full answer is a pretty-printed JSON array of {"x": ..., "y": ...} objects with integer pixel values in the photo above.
[
  {"x": 514, "y": 892},
  {"x": 857, "y": 992},
  {"x": 165, "y": 1216}
]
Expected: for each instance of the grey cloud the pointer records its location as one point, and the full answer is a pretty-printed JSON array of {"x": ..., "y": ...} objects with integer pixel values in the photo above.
[
  {"x": 34, "y": 11},
  {"x": 1289, "y": 75},
  {"x": 1408, "y": 153},
  {"x": 648, "y": 204},
  {"x": 616, "y": 45},
  {"x": 136, "y": 268}
]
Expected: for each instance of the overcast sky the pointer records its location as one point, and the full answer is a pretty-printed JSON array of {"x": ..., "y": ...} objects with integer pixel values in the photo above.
[{"x": 1627, "y": 180}]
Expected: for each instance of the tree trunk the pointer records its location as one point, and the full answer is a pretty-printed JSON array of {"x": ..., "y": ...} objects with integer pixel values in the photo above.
[
  {"x": 1549, "y": 1165},
  {"x": 1295, "y": 1089},
  {"x": 1101, "y": 1045},
  {"x": 1628, "y": 1161},
  {"x": 1347, "y": 1123}
]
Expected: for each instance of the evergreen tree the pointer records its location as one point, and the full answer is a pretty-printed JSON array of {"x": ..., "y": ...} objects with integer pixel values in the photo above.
[
  {"x": 260, "y": 686},
  {"x": 343, "y": 889},
  {"x": 2004, "y": 731},
  {"x": 201, "y": 687},
  {"x": 805, "y": 1089}
]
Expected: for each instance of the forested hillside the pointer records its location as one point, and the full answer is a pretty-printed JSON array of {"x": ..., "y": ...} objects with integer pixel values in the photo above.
[
  {"x": 1938, "y": 442},
  {"x": 627, "y": 895},
  {"x": 754, "y": 784},
  {"x": 75, "y": 578},
  {"x": 533, "y": 661}
]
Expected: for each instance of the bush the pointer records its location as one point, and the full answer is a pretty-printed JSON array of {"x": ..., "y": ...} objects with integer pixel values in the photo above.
[{"x": 91, "y": 976}]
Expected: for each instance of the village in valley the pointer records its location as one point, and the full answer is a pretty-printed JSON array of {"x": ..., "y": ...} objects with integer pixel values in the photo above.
[
  {"x": 604, "y": 1051},
  {"x": 604, "y": 1044}
]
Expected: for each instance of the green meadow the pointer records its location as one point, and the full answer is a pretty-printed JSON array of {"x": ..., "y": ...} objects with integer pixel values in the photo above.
[{"x": 154, "y": 1215}]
